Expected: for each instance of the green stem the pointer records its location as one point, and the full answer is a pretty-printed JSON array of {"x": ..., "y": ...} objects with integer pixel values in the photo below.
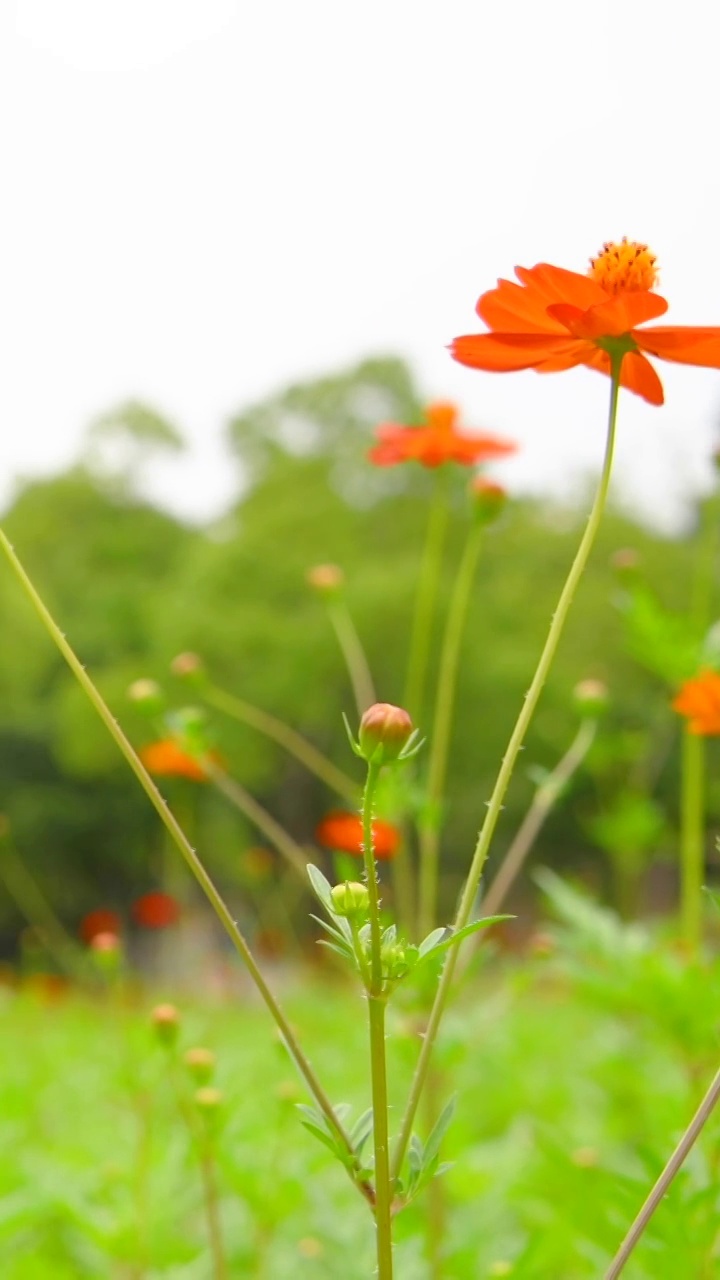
[
  {"x": 195, "y": 865},
  {"x": 376, "y": 998},
  {"x": 212, "y": 1211},
  {"x": 353, "y": 654},
  {"x": 425, "y": 599},
  {"x": 494, "y": 808},
  {"x": 260, "y": 818},
  {"x": 692, "y": 837},
  {"x": 294, "y": 743},
  {"x": 33, "y": 904},
  {"x": 442, "y": 726},
  {"x": 659, "y": 1191},
  {"x": 544, "y": 801}
]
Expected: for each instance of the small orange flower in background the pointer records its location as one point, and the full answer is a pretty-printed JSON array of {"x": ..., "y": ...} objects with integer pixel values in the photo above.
[
  {"x": 435, "y": 443},
  {"x": 699, "y": 702},
  {"x": 103, "y": 920},
  {"x": 343, "y": 832},
  {"x": 557, "y": 319},
  {"x": 165, "y": 759},
  {"x": 156, "y": 910}
]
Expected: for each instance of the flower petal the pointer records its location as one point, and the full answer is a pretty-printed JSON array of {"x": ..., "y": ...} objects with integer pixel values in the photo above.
[
  {"x": 556, "y": 284},
  {"x": 513, "y": 309},
  {"x": 636, "y": 374},
  {"x": 512, "y": 351},
  {"x": 684, "y": 344},
  {"x": 612, "y": 318}
]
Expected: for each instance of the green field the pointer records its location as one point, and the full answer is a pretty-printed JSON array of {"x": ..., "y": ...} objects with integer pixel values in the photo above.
[{"x": 576, "y": 1071}]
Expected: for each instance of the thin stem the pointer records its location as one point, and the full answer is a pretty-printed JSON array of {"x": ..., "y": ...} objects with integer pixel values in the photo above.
[
  {"x": 544, "y": 801},
  {"x": 33, "y": 904},
  {"x": 677, "y": 1159},
  {"x": 212, "y": 1211},
  {"x": 442, "y": 726},
  {"x": 260, "y": 818},
  {"x": 692, "y": 837},
  {"x": 195, "y": 865},
  {"x": 353, "y": 654},
  {"x": 494, "y": 809},
  {"x": 294, "y": 743},
  {"x": 425, "y": 599},
  {"x": 378, "y": 1066}
]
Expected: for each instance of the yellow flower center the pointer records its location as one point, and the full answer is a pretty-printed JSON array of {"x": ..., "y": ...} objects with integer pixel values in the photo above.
[{"x": 624, "y": 267}]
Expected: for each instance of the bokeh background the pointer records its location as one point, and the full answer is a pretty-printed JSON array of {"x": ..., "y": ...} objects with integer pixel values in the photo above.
[{"x": 236, "y": 237}]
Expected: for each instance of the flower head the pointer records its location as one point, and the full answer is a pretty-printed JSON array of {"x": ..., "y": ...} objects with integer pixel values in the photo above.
[
  {"x": 156, "y": 910},
  {"x": 165, "y": 759},
  {"x": 436, "y": 442},
  {"x": 556, "y": 319},
  {"x": 385, "y": 731},
  {"x": 699, "y": 702},
  {"x": 343, "y": 832}
]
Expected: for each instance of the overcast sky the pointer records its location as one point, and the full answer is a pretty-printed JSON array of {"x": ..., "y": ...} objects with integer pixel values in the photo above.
[{"x": 205, "y": 199}]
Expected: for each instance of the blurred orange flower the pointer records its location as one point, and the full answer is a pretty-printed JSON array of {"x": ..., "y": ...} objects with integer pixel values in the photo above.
[
  {"x": 165, "y": 759},
  {"x": 102, "y": 920},
  {"x": 699, "y": 702},
  {"x": 156, "y": 910},
  {"x": 343, "y": 832},
  {"x": 557, "y": 319},
  {"x": 436, "y": 442}
]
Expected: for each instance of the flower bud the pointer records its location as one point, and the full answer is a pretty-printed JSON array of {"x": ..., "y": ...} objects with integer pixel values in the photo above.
[
  {"x": 591, "y": 697},
  {"x": 106, "y": 951},
  {"x": 147, "y": 696},
  {"x": 166, "y": 1021},
  {"x": 489, "y": 499},
  {"x": 350, "y": 900},
  {"x": 208, "y": 1098},
  {"x": 326, "y": 579},
  {"x": 188, "y": 666},
  {"x": 626, "y": 562},
  {"x": 384, "y": 731},
  {"x": 201, "y": 1064}
]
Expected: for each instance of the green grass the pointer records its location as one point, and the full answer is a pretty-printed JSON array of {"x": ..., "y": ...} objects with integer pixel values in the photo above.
[{"x": 575, "y": 1074}]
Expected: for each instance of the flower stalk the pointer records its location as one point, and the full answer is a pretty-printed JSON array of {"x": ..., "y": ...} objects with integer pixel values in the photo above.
[
  {"x": 376, "y": 998},
  {"x": 506, "y": 770},
  {"x": 692, "y": 837}
]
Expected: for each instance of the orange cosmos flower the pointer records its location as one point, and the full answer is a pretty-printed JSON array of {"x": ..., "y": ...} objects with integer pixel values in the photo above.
[
  {"x": 436, "y": 442},
  {"x": 343, "y": 832},
  {"x": 699, "y": 701},
  {"x": 165, "y": 759},
  {"x": 556, "y": 319},
  {"x": 156, "y": 910}
]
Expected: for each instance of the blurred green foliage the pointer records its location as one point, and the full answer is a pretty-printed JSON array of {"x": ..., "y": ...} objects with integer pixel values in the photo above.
[{"x": 132, "y": 587}]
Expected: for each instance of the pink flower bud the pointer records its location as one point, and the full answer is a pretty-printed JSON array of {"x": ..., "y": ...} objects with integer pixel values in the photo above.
[{"x": 384, "y": 731}]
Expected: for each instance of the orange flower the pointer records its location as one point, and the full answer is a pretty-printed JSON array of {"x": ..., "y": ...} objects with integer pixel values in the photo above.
[
  {"x": 436, "y": 442},
  {"x": 556, "y": 319},
  {"x": 699, "y": 701},
  {"x": 165, "y": 759},
  {"x": 343, "y": 832},
  {"x": 103, "y": 920},
  {"x": 156, "y": 910}
]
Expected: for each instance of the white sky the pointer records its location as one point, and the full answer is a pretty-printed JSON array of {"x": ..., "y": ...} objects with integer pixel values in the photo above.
[{"x": 204, "y": 199}]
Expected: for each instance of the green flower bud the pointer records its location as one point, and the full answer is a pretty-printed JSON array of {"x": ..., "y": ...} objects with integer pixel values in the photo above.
[
  {"x": 201, "y": 1064},
  {"x": 489, "y": 499},
  {"x": 166, "y": 1021},
  {"x": 591, "y": 697},
  {"x": 350, "y": 900}
]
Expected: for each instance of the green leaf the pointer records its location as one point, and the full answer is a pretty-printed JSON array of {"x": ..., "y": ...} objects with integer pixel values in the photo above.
[{"x": 439, "y": 1129}]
